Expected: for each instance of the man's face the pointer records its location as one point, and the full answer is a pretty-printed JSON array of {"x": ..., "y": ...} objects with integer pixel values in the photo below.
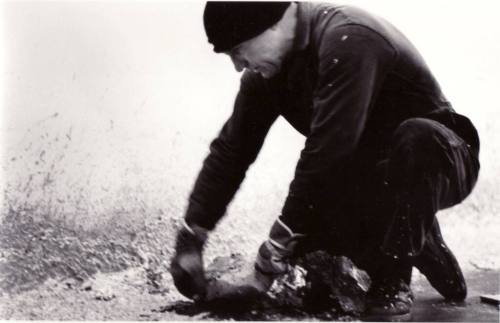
[{"x": 263, "y": 54}]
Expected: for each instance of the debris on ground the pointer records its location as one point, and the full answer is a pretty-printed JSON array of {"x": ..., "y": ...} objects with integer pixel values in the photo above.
[
  {"x": 317, "y": 285},
  {"x": 334, "y": 281}
]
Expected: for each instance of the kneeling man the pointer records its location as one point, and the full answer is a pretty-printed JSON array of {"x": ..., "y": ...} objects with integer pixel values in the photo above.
[{"x": 384, "y": 149}]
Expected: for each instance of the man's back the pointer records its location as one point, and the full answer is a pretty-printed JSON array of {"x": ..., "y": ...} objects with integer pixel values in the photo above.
[{"x": 406, "y": 89}]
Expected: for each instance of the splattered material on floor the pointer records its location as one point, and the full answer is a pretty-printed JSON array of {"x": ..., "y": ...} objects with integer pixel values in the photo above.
[{"x": 318, "y": 285}]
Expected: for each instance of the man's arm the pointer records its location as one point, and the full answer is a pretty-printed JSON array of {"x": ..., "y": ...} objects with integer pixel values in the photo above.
[
  {"x": 353, "y": 62},
  {"x": 231, "y": 153}
]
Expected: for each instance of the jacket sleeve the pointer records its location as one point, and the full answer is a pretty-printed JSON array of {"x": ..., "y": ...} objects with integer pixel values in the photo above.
[
  {"x": 231, "y": 153},
  {"x": 352, "y": 64}
]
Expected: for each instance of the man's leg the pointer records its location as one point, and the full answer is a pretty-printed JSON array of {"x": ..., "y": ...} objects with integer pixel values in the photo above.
[{"x": 428, "y": 168}]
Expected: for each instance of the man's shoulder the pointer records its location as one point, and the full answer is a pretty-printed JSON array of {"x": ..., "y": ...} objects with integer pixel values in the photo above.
[
  {"x": 326, "y": 19},
  {"x": 336, "y": 14}
]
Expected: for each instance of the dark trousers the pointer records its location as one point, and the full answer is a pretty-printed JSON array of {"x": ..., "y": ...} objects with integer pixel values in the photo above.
[{"x": 390, "y": 192}]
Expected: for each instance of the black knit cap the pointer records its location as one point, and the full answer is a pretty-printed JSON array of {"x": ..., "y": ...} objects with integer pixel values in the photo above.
[{"x": 229, "y": 23}]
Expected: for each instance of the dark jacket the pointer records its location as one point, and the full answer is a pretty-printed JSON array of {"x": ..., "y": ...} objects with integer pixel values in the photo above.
[{"x": 351, "y": 79}]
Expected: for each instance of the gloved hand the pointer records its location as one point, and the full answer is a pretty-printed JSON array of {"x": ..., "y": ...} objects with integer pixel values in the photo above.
[
  {"x": 274, "y": 254},
  {"x": 272, "y": 260},
  {"x": 186, "y": 267}
]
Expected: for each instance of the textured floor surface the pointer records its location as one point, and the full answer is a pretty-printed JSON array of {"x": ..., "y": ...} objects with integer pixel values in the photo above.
[{"x": 133, "y": 295}]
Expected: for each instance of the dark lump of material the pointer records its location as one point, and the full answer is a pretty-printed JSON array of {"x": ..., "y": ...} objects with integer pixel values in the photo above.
[{"x": 317, "y": 286}]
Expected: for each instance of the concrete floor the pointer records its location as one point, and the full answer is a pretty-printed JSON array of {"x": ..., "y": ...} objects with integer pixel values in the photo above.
[{"x": 430, "y": 306}]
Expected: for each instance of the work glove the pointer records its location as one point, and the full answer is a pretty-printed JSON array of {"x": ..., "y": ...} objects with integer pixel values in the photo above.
[
  {"x": 273, "y": 258},
  {"x": 186, "y": 267}
]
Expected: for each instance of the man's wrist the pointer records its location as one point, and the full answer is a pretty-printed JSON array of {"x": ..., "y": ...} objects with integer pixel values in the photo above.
[{"x": 197, "y": 232}]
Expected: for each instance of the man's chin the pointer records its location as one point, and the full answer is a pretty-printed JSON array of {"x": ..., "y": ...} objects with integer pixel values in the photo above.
[{"x": 267, "y": 74}]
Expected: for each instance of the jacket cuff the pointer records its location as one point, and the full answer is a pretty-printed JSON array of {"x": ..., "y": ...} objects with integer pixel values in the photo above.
[
  {"x": 195, "y": 215},
  {"x": 298, "y": 214}
]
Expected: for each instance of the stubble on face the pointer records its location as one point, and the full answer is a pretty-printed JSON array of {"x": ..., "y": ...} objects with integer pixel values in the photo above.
[
  {"x": 263, "y": 54},
  {"x": 264, "y": 57}
]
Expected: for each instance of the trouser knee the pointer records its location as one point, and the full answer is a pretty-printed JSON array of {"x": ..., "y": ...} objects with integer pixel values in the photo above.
[
  {"x": 429, "y": 168},
  {"x": 427, "y": 155},
  {"x": 418, "y": 148}
]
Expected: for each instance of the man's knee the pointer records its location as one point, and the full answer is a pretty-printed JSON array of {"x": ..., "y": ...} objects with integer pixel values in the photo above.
[
  {"x": 415, "y": 133},
  {"x": 423, "y": 145},
  {"x": 430, "y": 157}
]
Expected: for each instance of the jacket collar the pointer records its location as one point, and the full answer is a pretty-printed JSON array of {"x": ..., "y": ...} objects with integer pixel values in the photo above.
[{"x": 302, "y": 30}]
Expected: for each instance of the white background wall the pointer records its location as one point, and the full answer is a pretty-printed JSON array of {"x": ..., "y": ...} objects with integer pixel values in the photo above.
[{"x": 108, "y": 107}]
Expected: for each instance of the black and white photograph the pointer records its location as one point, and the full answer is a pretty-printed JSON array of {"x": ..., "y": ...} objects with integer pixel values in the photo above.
[{"x": 250, "y": 160}]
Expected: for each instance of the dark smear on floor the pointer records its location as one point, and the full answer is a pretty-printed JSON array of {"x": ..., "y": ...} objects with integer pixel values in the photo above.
[{"x": 429, "y": 306}]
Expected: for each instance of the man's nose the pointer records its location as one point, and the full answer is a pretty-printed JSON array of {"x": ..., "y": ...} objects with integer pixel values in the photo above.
[{"x": 239, "y": 64}]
